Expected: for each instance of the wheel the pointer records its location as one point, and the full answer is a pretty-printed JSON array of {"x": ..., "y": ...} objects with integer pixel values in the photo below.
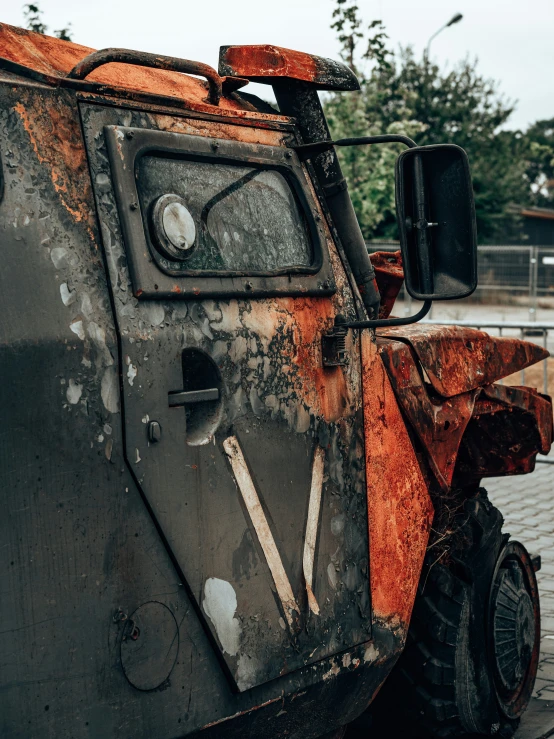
[{"x": 472, "y": 651}]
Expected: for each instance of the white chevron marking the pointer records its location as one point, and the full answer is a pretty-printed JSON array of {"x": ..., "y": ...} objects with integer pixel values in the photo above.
[
  {"x": 257, "y": 515},
  {"x": 312, "y": 526}
]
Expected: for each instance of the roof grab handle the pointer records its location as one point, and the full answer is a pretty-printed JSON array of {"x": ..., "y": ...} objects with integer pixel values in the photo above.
[{"x": 157, "y": 61}]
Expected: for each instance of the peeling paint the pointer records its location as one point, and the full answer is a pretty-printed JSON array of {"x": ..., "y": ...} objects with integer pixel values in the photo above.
[
  {"x": 371, "y": 653},
  {"x": 312, "y": 526},
  {"x": 131, "y": 371},
  {"x": 68, "y": 297},
  {"x": 110, "y": 390},
  {"x": 73, "y": 392},
  {"x": 77, "y": 328},
  {"x": 220, "y": 605}
]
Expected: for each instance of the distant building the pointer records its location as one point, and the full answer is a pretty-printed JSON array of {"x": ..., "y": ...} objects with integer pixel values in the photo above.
[{"x": 538, "y": 226}]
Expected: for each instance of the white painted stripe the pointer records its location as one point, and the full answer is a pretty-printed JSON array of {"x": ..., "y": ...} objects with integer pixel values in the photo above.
[
  {"x": 312, "y": 526},
  {"x": 252, "y": 502}
]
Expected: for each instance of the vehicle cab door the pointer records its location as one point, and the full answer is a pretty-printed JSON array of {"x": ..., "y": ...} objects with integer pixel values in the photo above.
[{"x": 246, "y": 442}]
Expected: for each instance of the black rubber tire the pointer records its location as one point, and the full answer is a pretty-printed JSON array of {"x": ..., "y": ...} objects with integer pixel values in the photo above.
[{"x": 443, "y": 683}]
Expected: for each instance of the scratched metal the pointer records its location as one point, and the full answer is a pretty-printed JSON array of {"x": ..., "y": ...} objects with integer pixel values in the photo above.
[{"x": 82, "y": 549}]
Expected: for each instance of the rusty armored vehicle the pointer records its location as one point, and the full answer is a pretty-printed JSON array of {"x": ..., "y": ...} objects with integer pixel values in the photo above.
[{"x": 239, "y": 498}]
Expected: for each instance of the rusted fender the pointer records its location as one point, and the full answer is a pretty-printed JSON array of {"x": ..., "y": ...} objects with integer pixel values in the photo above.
[
  {"x": 259, "y": 62},
  {"x": 509, "y": 427},
  {"x": 438, "y": 422},
  {"x": 400, "y": 510},
  {"x": 389, "y": 274},
  {"x": 458, "y": 359}
]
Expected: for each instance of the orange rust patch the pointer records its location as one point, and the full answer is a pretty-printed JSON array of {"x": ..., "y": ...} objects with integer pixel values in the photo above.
[
  {"x": 325, "y": 389},
  {"x": 54, "y": 57},
  {"x": 220, "y": 130},
  {"x": 264, "y": 60},
  {"x": 56, "y": 140},
  {"x": 399, "y": 506}
]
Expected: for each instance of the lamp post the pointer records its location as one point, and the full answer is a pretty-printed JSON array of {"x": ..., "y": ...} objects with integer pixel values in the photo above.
[{"x": 455, "y": 19}]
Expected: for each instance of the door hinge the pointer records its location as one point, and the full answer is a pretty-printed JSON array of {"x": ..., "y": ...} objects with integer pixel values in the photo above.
[{"x": 333, "y": 345}]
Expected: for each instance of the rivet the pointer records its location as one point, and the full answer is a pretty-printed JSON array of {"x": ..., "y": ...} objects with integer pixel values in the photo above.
[
  {"x": 134, "y": 206},
  {"x": 130, "y": 134},
  {"x": 248, "y": 285},
  {"x": 215, "y": 145},
  {"x": 288, "y": 155}
]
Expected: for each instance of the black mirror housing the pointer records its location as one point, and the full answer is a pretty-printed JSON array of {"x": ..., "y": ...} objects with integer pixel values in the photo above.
[{"x": 436, "y": 221}]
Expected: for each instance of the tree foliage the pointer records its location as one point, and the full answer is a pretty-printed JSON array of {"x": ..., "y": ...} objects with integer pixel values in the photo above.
[
  {"x": 33, "y": 18},
  {"x": 404, "y": 94},
  {"x": 540, "y": 165}
]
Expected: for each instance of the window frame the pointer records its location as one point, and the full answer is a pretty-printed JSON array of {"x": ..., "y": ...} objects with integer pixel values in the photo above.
[{"x": 151, "y": 273}]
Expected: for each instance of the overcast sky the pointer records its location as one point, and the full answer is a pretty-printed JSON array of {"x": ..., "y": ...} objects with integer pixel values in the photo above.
[{"x": 513, "y": 41}]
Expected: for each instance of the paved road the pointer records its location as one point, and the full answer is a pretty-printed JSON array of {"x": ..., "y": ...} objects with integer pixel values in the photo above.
[{"x": 527, "y": 504}]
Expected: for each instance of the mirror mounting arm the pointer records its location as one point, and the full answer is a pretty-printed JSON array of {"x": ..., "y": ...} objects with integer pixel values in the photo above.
[
  {"x": 387, "y": 322},
  {"x": 307, "y": 151}
]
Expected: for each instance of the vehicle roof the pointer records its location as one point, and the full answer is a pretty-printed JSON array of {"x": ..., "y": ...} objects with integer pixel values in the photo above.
[{"x": 54, "y": 57}]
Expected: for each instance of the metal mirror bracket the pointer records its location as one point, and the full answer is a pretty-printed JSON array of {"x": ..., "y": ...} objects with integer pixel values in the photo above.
[{"x": 306, "y": 151}]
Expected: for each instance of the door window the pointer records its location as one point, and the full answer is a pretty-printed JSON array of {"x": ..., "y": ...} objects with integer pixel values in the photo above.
[{"x": 245, "y": 218}]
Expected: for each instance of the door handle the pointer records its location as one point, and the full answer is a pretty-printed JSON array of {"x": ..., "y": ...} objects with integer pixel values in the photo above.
[{"x": 192, "y": 396}]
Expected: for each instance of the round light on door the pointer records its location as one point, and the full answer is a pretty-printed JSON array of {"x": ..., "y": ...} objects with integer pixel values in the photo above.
[{"x": 173, "y": 226}]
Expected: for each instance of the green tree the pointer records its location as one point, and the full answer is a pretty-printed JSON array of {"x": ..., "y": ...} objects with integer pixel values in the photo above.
[
  {"x": 369, "y": 169},
  {"x": 33, "y": 18},
  {"x": 403, "y": 94},
  {"x": 540, "y": 162}
]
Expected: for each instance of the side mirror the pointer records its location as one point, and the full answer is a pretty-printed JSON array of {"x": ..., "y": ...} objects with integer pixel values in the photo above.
[{"x": 436, "y": 221}]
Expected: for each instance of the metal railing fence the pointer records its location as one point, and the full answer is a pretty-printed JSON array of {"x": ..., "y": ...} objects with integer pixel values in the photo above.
[{"x": 508, "y": 274}]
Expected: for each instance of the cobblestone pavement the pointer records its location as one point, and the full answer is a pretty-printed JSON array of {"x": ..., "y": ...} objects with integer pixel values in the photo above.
[{"x": 527, "y": 504}]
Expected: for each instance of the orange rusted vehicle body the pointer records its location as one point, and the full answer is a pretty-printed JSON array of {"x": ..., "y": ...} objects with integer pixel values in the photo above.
[{"x": 127, "y": 530}]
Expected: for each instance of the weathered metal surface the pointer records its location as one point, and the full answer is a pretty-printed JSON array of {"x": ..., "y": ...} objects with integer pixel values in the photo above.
[
  {"x": 264, "y": 63},
  {"x": 509, "y": 427},
  {"x": 50, "y": 60},
  {"x": 166, "y": 162},
  {"x": 438, "y": 422},
  {"x": 82, "y": 550},
  {"x": 441, "y": 422},
  {"x": 256, "y": 539},
  {"x": 457, "y": 359},
  {"x": 255, "y": 459},
  {"x": 140, "y": 58},
  {"x": 399, "y": 506},
  {"x": 389, "y": 274}
]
